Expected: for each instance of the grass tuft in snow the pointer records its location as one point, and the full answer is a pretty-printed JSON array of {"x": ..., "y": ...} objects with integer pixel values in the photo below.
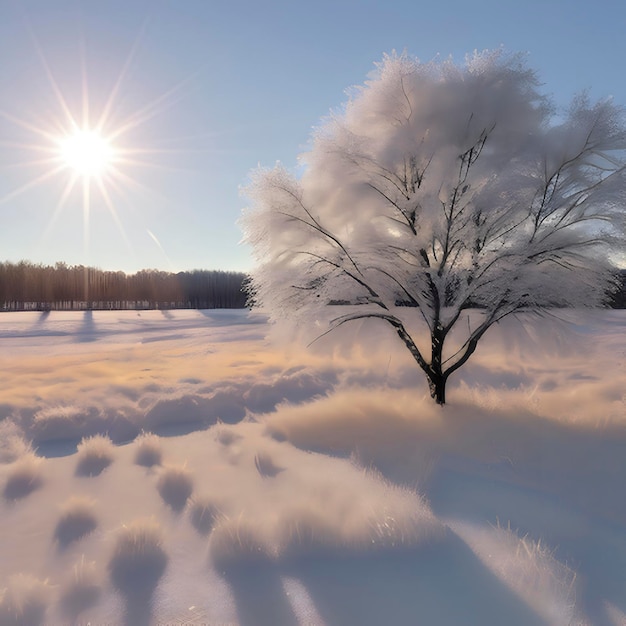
[
  {"x": 138, "y": 560},
  {"x": 81, "y": 591},
  {"x": 532, "y": 570},
  {"x": 24, "y": 477},
  {"x": 59, "y": 422},
  {"x": 203, "y": 512},
  {"x": 175, "y": 485},
  {"x": 305, "y": 530},
  {"x": 12, "y": 444},
  {"x": 392, "y": 519},
  {"x": 95, "y": 454},
  {"x": 149, "y": 451},
  {"x": 319, "y": 510},
  {"x": 24, "y": 602},
  {"x": 238, "y": 541},
  {"x": 77, "y": 519},
  {"x": 528, "y": 567}
]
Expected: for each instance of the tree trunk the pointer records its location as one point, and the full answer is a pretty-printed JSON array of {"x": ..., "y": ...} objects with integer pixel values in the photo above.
[
  {"x": 437, "y": 386},
  {"x": 436, "y": 378}
]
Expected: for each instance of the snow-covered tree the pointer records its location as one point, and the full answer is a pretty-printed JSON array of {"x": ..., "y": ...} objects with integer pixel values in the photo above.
[{"x": 438, "y": 189}]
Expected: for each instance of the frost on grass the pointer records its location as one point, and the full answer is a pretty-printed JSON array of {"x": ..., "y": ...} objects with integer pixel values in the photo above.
[
  {"x": 149, "y": 451},
  {"x": 236, "y": 541},
  {"x": 175, "y": 485},
  {"x": 24, "y": 477},
  {"x": 60, "y": 422},
  {"x": 385, "y": 517},
  {"x": 528, "y": 568},
  {"x": 81, "y": 590},
  {"x": 77, "y": 519},
  {"x": 138, "y": 559},
  {"x": 24, "y": 602},
  {"x": 203, "y": 511},
  {"x": 320, "y": 505},
  {"x": 95, "y": 454},
  {"x": 12, "y": 443}
]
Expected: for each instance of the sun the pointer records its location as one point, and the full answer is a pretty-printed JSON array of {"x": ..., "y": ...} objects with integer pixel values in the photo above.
[
  {"x": 91, "y": 149},
  {"x": 87, "y": 153}
]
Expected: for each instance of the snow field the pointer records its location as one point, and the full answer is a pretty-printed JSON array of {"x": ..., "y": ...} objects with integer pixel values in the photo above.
[{"x": 280, "y": 487}]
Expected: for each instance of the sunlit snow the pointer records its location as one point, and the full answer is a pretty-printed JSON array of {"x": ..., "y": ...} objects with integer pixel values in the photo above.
[{"x": 280, "y": 486}]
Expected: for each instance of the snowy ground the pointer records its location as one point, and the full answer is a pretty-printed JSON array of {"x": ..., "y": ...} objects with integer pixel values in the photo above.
[{"x": 283, "y": 486}]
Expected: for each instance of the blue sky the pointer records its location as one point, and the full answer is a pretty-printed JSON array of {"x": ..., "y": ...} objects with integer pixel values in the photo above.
[{"x": 213, "y": 88}]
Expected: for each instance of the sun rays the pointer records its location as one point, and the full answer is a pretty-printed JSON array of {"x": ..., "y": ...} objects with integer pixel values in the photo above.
[{"x": 88, "y": 146}]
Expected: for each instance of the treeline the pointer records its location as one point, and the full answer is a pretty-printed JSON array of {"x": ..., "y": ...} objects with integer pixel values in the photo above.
[{"x": 26, "y": 286}]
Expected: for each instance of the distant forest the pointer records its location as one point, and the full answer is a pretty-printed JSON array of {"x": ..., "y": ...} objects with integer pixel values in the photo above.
[{"x": 25, "y": 286}]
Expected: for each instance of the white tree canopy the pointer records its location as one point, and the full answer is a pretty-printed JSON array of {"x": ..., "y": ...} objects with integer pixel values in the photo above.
[{"x": 442, "y": 188}]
